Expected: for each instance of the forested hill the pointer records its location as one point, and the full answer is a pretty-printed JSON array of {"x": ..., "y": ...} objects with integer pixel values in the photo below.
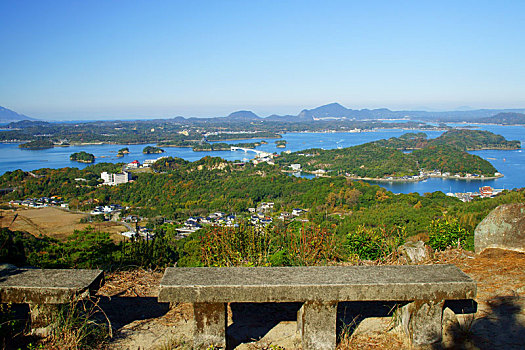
[
  {"x": 463, "y": 139},
  {"x": 384, "y": 158},
  {"x": 367, "y": 160},
  {"x": 505, "y": 119},
  {"x": 373, "y": 161}
]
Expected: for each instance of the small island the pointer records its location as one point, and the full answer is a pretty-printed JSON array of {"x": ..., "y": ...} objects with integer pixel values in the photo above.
[
  {"x": 152, "y": 150},
  {"x": 281, "y": 143},
  {"x": 121, "y": 152},
  {"x": 82, "y": 157},
  {"x": 37, "y": 144}
]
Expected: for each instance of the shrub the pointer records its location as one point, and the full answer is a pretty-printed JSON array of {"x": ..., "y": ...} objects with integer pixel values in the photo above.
[
  {"x": 448, "y": 232},
  {"x": 375, "y": 243}
]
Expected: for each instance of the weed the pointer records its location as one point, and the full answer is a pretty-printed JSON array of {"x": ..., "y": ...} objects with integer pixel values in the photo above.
[
  {"x": 174, "y": 344},
  {"x": 347, "y": 330},
  {"x": 10, "y": 327},
  {"x": 75, "y": 326},
  {"x": 375, "y": 243},
  {"x": 255, "y": 246}
]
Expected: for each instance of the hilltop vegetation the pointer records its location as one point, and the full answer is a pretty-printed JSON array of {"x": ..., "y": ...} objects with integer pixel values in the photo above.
[
  {"x": 462, "y": 139},
  {"x": 449, "y": 159},
  {"x": 470, "y": 140}
]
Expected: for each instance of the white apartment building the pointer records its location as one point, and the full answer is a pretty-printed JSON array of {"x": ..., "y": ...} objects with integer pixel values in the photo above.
[{"x": 115, "y": 179}]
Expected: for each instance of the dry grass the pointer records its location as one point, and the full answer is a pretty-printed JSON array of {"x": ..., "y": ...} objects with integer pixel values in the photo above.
[
  {"x": 380, "y": 341},
  {"x": 133, "y": 283},
  {"x": 54, "y": 222},
  {"x": 76, "y": 327}
]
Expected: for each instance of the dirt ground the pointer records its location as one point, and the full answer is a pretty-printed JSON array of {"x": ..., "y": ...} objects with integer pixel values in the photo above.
[
  {"x": 53, "y": 222},
  {"x": 129, "y": 300}
]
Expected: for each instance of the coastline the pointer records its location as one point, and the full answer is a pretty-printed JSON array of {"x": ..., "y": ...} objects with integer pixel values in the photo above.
[
  {"x": 462, "y": 178},
  {"x": 374, "y": 179}
]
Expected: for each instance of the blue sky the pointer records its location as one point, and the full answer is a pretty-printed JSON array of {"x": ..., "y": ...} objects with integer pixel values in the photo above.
[{"x": 128, "y": 59}]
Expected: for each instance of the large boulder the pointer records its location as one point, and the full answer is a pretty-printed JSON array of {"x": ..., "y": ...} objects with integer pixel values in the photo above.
[{"x": 503, "y": 228}]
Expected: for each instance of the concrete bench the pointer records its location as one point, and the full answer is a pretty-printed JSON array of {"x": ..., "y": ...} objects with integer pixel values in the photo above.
[
  {"x": 320, "y": 289},
  {"x": 45, "y": 289}
]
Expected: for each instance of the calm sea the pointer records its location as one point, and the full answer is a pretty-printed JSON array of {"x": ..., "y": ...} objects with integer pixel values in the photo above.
[{"x": 510, "y": 163}]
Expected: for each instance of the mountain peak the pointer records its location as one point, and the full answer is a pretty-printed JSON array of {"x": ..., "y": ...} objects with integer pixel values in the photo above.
[
  {"x": 329, "y": 110},
  {"x": 7, "y": 115},
  {"x": 243, "y": 115}
]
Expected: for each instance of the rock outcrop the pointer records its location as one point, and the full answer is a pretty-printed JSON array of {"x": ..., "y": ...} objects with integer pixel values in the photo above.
[
  {"x": 503, "y": 228},
  {"x": 415, "y": 252}
]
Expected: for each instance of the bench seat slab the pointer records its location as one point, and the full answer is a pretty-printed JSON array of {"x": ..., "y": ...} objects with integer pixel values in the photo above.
[
  {"x": 315, "y": 283},
  {"x": 47, "y": 286}
]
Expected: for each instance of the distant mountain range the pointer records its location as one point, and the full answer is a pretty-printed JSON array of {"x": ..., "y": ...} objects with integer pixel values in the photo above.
[
  {"x": 335, "y": 111},
  {"x": 7, "y": 115}
]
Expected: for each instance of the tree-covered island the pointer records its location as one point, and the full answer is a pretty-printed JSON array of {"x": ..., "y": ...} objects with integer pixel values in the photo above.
[
  {"x": 152, "y": 150},
  {"x": 121, "y": 152},
  {"x": 281, "y": 143},
  {"x": 37, "y": 144},
  {"x": 82, "y": 157}
]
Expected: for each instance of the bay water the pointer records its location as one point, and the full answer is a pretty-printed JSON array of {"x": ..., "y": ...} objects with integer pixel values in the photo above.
[{"x": 509, "y": 162}]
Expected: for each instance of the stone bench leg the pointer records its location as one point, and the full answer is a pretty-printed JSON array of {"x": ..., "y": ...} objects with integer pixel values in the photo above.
[
  {"x": 42, "y": 318},
  {"x": 316, "y": 322},
  {"x": 422, "y": 321},
  {"x": 209, "y": 325}
]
